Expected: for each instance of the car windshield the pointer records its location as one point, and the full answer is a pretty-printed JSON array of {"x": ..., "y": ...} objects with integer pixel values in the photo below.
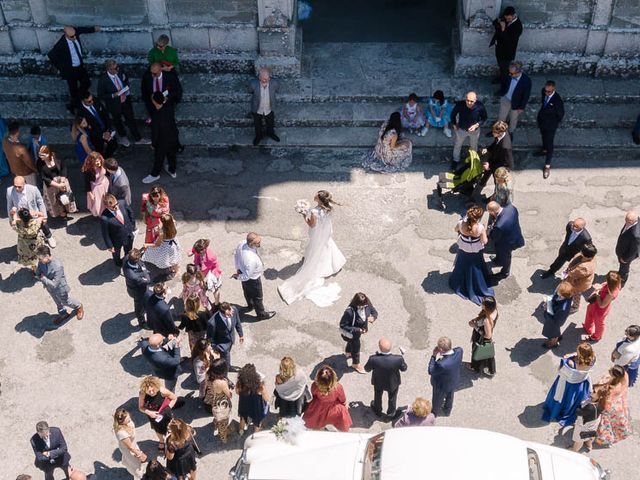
[
  {"x": 534, "y": 465},
  {"x": 372, "y": 464}
]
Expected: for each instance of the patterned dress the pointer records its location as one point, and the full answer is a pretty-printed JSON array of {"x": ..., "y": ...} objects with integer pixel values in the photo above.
[
  {"x": 615, "y": 422},
  {"x": 30, "y": 237},
  {"x": 384, "y": 158},
  {"x": 152, "y": 213}
]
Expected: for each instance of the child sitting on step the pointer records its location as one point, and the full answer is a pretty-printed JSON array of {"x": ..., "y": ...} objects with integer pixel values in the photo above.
[
  {"x": 412, "y": 116},
  {"x": 439, "y": 113}
]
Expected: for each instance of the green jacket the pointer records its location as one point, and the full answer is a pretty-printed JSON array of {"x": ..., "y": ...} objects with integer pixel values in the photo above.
[{"x": 170, "y": 55}]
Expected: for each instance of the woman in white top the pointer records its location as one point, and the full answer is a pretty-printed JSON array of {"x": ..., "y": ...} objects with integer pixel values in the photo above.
[
  {"x": 322, "y": 258},
  {"x": 125, "y": 430},
  {"x": 627, "y": 353},
  {"x": 470, "y": 276}
]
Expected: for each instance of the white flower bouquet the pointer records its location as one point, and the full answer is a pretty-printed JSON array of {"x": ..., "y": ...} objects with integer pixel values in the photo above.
[{"x": 303, "y": 207}]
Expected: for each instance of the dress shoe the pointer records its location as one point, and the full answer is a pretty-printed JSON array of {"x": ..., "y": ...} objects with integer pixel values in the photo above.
[
  {"x": 52, "y": 242},
  {"x": 256, "y": 141},
  {"x": 266, "y": 315},
  {"x": 377, "y": 412},
  {"x": 80, "y": 312},
  {"x": 546, "y": 274},
  {"x": 246, "y": 309},
  {"x": 274, "y": 137},
  {"x": 151, "y": 178},
  {"x": 359, "y": 369},
  {"x": 61, "y": 318},
  {"x": 546, "y": 171}
]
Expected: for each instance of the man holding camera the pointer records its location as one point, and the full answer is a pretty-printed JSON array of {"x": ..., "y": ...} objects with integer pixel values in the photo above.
[{"x": 508, "y": 29}]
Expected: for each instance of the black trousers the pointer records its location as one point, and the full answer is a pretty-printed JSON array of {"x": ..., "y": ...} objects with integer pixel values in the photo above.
[
  {"x": 139, "y": 307},
  {"x": 503, "y": 258},
  {"x": 161, "y": 152},
  {"x": 560, "y": 260},
  {"x": 106, "y": 149},
  {"x": 377, "y": 400},
  {"x": 48, "y": 468},
  {"x": 486, "y": 175},
  {"x": 46, "y": 230},
  {"x": 623, "y": 270},
  {"x": 441, "y": 400},
  {"x": 353, "y": 347},
  {"x": 548, "y": 137},
  {"x": 126, "y": 112},
  {"x": 78, "y": 81},
  {"x": 252, "y": 290},
  {"x": 117, "y": 258},
  {"x": 269, "y": 120},
  {"x": 505, "y": 79}
]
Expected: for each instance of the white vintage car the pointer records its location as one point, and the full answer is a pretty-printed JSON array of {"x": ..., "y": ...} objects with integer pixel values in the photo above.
[{"x": 412, "y": 453}]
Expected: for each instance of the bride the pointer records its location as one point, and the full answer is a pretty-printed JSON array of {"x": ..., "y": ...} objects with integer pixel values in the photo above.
[{"x": 322, "y": 258}]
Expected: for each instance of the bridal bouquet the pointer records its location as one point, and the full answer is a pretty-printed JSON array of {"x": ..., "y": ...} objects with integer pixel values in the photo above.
[
  {"x": 288, "y": 429},
  {"x": 303, "y": 207}
]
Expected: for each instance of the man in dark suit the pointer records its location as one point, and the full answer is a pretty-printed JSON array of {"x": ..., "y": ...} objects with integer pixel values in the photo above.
[
  {"x": 119, "y": 185},
  {"x": 137, "y": 279},
  {"x": 156, "y": 80},
  {"x": 444, "y": 368},
  {"x": 222, "y": 328},
  {"x": 68, "y": 58},
  {"x": 117, "y": 224},
  {"x": 508, "y": 29},
  {"x": 515, "y": 96},
  {"x": 263, "y": 101},
  {"x": 163, "y": 356},
  {"x": 575, "y": 238},
  {"x": 113, "y": 91},
  {"x": 101, "y": 133},
  {"x": 50, "y": 449},
  {"x": 498, "y": 154},
  {"x": 505, "y": 232},
  {"x": 164, "y": 138},
  {"x": 628, "y": 244},
  {"x": 385, "y": 376},
  {"x": 549, "y": 117},
  {"x": 159, "y": 316}
]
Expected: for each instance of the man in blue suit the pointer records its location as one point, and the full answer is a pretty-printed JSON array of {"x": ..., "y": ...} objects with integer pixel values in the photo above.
[
  {"x": 505, "y": 232},
  {"x": 137, "y": 279},
  {"x": 164, "y": 358},
  {"x": 159, "y": 316},
  {"x": 50, "y": 450},
  {"x": 444, "y": 368},
  {"x": 118, "y": 224},
  {"x": 515, "y": 96},
  {"x": 222, "y": 328}
]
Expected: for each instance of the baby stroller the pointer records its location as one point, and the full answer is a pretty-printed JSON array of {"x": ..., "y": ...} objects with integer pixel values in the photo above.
[{"x": 463, "y": 180}]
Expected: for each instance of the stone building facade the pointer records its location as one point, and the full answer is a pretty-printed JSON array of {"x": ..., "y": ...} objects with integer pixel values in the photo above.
[{"x": 594, "y": 37}]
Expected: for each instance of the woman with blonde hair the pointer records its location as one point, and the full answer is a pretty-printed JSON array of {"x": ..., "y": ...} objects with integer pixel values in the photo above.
[
  {"x": 571, "y": 387},
  {"x": 503, "y": 193},
  {"x": 55, "y": 185},
  {"x": 291, "y": 392},
  {"x": 418, "y": 416},
  {"x": 165, "y": 252},
  {"x": 156, "y": 402},
  {"x": 181, "y": 457},
  {"x": 470, "y": 276},
  {"x": 194, "y": 320},
  {"x": 329, "y": 403},
  {"x": 132, "y": 456},
  {"x": 96, "y": 183}
]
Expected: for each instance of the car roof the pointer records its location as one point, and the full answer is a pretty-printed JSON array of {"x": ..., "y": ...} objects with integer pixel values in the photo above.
[{"x": 455, "y": 453}]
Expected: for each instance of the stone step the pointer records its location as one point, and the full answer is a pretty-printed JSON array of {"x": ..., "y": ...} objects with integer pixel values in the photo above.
[
  {"x": 526, "y": 138},
  {"x": 232, "y": 88},
  {"x": 325, "y": 114}
]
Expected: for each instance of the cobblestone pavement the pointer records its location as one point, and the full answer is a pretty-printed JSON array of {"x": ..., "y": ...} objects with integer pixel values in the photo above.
[{"x": 399, "y": 251}]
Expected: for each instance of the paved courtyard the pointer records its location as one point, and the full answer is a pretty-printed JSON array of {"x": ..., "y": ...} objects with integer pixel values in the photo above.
[{"x": 399, "y": 251}]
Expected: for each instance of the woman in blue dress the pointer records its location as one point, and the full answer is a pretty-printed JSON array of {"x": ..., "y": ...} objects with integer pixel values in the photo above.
[
  {"x": 80, "y": 135},
  {"x": 557, "y": 310},
  {"x": 4, "y": 166},
  {"x": 571, "y": 387},
  {"x": 470, "y": 276}
]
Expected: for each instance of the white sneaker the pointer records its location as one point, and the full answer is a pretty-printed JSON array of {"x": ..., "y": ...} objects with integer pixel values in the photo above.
[
  {"x": 171, "y": 174},
  {"x": 124, "y": 141},
  {"x": 150, "y": 179},
  {"x": 143, "y": 141},
  {"x": 447, "y": 132},
  {"x": 424, "y": 131},
  {"x": 52, "y": 242}
]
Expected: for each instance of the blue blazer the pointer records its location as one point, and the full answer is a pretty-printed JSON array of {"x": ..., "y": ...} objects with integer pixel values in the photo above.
[
  {"x": 221, "y": 336},
  {"x": 57, "y": 449},
  {"x": 34, "y": 150},
  {"x": 445, "y": 372},
  {"x": 165, "y": 364},
  {"x": 114, "y": 233},
  {"x": 506, "y": 233},
  {"x": 521, "y": 93},
  {"x": 159, "y": 316},
  {"x": 136, "y": 278}
]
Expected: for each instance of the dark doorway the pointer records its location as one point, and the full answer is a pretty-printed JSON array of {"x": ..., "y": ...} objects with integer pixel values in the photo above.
[{"x": 388, "y": 21}]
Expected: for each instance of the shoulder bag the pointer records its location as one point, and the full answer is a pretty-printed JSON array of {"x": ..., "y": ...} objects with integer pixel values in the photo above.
[{"x": 483, "y": 350}]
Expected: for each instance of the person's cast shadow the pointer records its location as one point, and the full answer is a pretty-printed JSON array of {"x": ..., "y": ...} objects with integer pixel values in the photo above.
[
  {"x": 118, "y": 328},
  {"x": 135, "y": 365},
  {"x": 87, "y": 227},
  {"x": 18, "y": 280},
  {"x": 338, "y": 362},
  {"x": 437, "y": 282},
  {"x": 37, "y": 325},
  {"x": 531, "y": 416},
  {"x": 284, "y": 273},
  {"x": 104, "y": 272}
]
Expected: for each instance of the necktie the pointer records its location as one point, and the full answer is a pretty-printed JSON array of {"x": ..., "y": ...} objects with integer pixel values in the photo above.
[
  {"x": 546, "y": 101},
  {"x": 156, "y": 87},
  {"x": 118, "y": 85},
  {"x": 119, "y": 216},
  {"x": 95, "y": 114},
  {"x": 77, "y": 48}
]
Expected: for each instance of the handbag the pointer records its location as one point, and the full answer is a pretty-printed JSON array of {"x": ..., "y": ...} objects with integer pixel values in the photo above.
[
  {"x": 346, "y": 333},
  {"x": 483, "y": 351},
  {"x": 212, "y": 282}
]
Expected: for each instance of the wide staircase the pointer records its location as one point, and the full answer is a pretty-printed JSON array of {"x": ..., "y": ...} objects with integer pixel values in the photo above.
[{"x": 346, "y": 92}]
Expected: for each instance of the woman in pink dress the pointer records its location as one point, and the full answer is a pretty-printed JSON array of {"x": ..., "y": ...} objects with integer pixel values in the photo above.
[
  {"x": 598, "y": 309},
  {"x": 615, "y": 423},
  {"x": 207, "y": 263},
  {"x": 96, "y": 182},
  {"x": 329, "y": 403},
  {"x": 154, "y": 205}
]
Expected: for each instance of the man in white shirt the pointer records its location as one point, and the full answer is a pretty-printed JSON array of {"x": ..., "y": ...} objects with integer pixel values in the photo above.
[
  {"x": 249, "y": 269},
  {"x": 628, "y": 244},
  {"x": 263, "y": 102},
  {"x": 575, "y": 237},
  {"x": 627, "y": 352}
]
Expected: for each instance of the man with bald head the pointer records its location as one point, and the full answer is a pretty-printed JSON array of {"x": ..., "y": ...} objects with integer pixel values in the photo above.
[
  {"x": 263, "y": 101},
  {"x": 385, "y": 368},
  {"x": 23, "y": 195},
  {"x": 506, "y": 235},
  {"x": 628, "y": 244},
  {"x": 249, "y": 269},
  {"x": 163, "y": 356},
  {"x": 467, "y": 117},
  {"x": 157, "y": 80},
  {"x": 575, "y": 238}
]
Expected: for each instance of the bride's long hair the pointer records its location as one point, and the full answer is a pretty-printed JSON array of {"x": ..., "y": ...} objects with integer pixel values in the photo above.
[{"x": 325, "y": 200}]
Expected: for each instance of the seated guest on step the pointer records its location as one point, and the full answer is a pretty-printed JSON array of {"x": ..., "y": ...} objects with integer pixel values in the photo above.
[
  {"x": 56, "y": 189},
  {"x": 392, "y": 153},
  {"x": 439, "y": 113},
  {"x": 81, "y": 139},
  {"x": 164, "y": 54},
  {"x": 96, "y": 183},
  {"x": 412, "y": 116},
  {"x": 101, "y": 131},
  {"x": 263, "y": 101}
]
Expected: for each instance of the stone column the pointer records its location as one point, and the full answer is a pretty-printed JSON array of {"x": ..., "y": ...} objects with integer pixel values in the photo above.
[
  {"x": 6, "y": 46},
  {"x": 279, "y": 39},
  {"x": 598, "y": 30}
]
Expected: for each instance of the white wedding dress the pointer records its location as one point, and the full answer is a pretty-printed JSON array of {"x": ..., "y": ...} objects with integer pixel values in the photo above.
[{"x": 322, "y": 258}]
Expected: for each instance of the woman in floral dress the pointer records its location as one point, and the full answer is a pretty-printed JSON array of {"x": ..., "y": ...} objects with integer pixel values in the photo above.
[
  {"x": 30, "y": 236},
  {"x": 615, "y": 422},
  {"x": 154, "y": 205},
  {"x": 392, "y": 153}
]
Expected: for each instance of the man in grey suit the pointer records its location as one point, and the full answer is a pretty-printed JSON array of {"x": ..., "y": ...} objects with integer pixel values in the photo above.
[
  {"x": 118, "y": 181},
  {"x": 263, "y": 101},
  {"x": 51, "y": 273}
]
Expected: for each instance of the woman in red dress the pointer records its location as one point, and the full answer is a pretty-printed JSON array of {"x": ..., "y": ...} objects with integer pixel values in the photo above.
[
  {"x": 599, "y": 308},
  {"x": 329, "y": 403},
  {"x": 154, "y": 205}
]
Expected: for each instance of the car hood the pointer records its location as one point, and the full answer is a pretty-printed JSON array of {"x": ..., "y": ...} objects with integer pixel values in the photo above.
[
  {"x": 272, "y": 459},
  {"x": 558, "y": 464}
]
